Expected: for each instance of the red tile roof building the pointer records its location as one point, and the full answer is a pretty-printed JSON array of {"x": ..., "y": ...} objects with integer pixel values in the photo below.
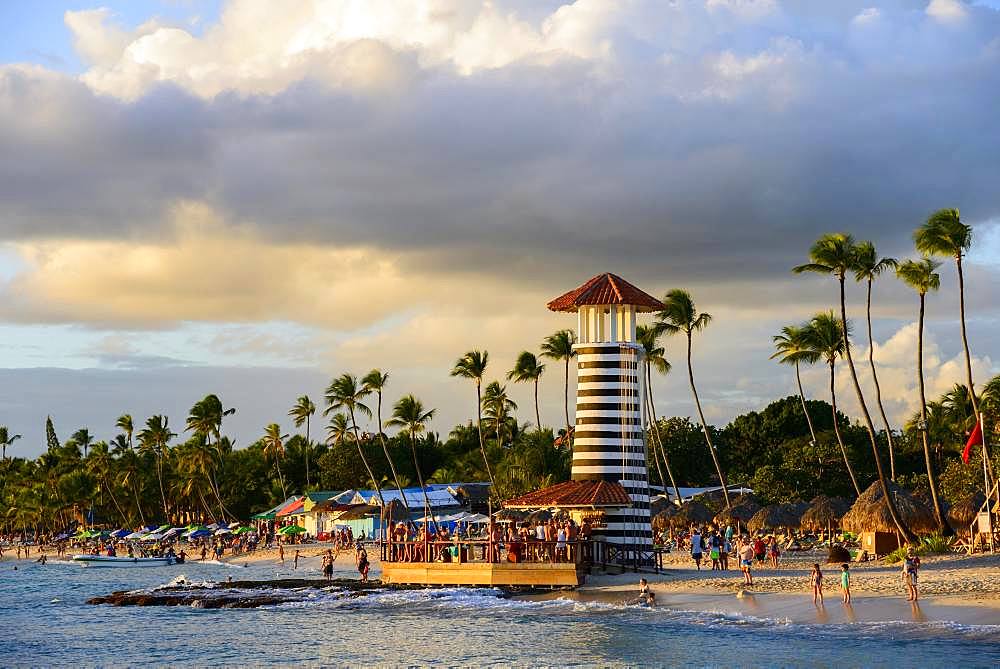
[
  {"x": 605, "y": 289},
  {"x": 574, "y": 494}
]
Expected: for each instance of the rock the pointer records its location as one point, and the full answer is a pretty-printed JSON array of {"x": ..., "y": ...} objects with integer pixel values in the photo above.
[{"x": 838, "y": 555}]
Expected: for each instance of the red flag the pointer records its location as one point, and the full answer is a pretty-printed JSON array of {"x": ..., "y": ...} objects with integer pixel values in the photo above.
[{"x": 975, "y": 439}]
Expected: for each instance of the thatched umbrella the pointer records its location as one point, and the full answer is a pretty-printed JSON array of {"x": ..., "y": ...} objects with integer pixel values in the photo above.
[
  {"x": 664, "y": 519},
  {"x": 824, "y": 513},
  {"x": 692, "y": 513},
  {"x": 775, "y": 515},
  {"x": 514, "y": 515},
  {"x": 395, "y": 510},
  {"x": 869, "y": 513},
  {"x": 737, "y": 514},
  {"x": 542, "y": 515},
  {"x": 962, "y": 515},
  {"x": 660, "y": 503}
]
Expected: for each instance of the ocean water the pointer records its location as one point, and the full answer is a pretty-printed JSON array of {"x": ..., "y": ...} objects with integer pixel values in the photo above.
[{"x": 46, "y": 622}]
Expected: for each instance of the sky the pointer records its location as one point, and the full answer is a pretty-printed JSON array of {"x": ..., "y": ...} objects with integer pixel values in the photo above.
[{"x": 249, "y": 198}]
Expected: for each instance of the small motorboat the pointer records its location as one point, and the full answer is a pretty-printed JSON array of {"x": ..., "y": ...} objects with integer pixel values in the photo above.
[{"x": 118, "y": 561}]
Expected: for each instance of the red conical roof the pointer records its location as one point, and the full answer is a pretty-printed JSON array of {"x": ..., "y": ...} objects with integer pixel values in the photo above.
[{"x": 606, "y": 288}]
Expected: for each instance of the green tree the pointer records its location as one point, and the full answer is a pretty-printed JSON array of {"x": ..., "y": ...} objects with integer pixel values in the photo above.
[
  {"x": 680, "y": 315},
  {"x": 527, "y": 369},
  {"x": 868, "y": 266},
  {"x": 205, "y": 421},
  {"x": 921, "y": 276},
  {"x": 125, "y": 424},
  {"x": 51, "y": 439},
  {"x": 498, "y": 409},
  {"x": 472, "y": 366},
  {"x": 654, "y": 355},
  {"x": 7, "y": 440},
  {"x": 345, "y": 392},
  {"x": 155, "y": 440},
  {"x": 375, "y": 381},
  {"x": 274, "y": 446},
  {"x": 81, "y": 439},
  {"x": 825, "y": 336},
  {"x": 792, "y": 348},
  {"x": 559, "y": 346},
  {"x": 410, "y": 416},
  {"x": 302, "y": 413},
  {"x": 835, "y": 255}
]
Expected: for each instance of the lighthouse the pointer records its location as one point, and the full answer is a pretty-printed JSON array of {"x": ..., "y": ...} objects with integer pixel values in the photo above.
[{"x": 609, "y": 443}]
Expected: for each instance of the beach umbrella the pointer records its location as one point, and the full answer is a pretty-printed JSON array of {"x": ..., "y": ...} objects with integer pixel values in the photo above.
[
  {"x": 476, "y": 519},
  {"x": 243, "y": 529},
  {"x": 692, "y": 513},
  {"x": 824, "y": 513},
  {"x": 870, "y": 513},
  {"x": 155, "y": 536},
  {"x": 120, "y": 534},
  {"x": 199, "y": 534},
  {"x": 509, "y": 515},
  {"x": 774, "y": 516},
  {"x": 962, "y": 515},
  {"x": 222, "y": 530},
  {"x": 291, "y": 529},
  {"x": 135, "y": 535}
]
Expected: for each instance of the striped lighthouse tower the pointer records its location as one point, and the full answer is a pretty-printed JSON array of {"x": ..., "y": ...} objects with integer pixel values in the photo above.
[{"x": 609, "y": 439}]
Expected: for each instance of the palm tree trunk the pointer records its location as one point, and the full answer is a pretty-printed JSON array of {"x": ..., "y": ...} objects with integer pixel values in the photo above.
[
  {"x": 968, "y": 360},
  {"x": 482, "y": 442},
  {"x": 364, "y": 460},
  {"x": 658, "y": 437},
  {"x": 836, "y": 431},
  {"x": 802, "y": 397},
  {"x": 420, "y": 480},
  {"x": 943, "y": 525},
  {"x": 281, "y": 478},
  {"x": 538, "y": 419},
  {"x": 878, "y": 389},
  {"x": 704, "y": 425},
  {"x": 385, "y": 449},
  {"x": 890, "y": 503},
  {"x": 163, "y": 495},
  {"x": 309, "y": 444},
  {"x": 566, "y": 400},
  {"x": 138, "y": 504},
  {"x": 118, "y": 506}
]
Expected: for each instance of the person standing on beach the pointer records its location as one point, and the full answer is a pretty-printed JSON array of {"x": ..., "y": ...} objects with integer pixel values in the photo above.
[
  {"x": 328, "y": 565},
  {"x": 746, "y": 561},
  {"x": 816, "y": 579},
  {"x": 696, "y": 547},
  {"x": 281, "y": 552},
  {"x": 910, "y": 566},
  {"x": 296, "y": 563},
  {"x": 845, "y": 582}
]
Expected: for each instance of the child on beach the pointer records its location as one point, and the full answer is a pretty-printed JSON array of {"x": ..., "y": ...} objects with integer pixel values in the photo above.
[
  {"x": 746, "y": 561},
  {"x": 816, "y": 578},
  {"x": 910, "y": 566},
  {"x": 845, "y": 582}
]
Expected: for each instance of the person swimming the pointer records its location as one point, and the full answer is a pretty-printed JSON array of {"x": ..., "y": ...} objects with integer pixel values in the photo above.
[{"x": 646, "y": 594}]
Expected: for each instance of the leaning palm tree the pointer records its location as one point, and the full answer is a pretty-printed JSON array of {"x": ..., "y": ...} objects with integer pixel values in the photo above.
[
  {"x": 303, "y": 412},
  {"x": 527, "y": 369},
  {"x": 559, "y": 346},
  {"x": 344, "y": 392},
  {"x": 680, "y": 315},
  {"x": 498, "y": 408},
  {"x": 409, "y": 414},
  {"x": 205, "y": 421},
  {"x": 274, "y": 446},
  {"x": 472, "y": 365},
  {"x": 792, "y": 348},
  {"x": 82, "y": 439},
  {"x": 7, "y": 439},
  {"x": 125, "y": 424},
  {"x": 834, "y": 255},
  {"x": 654, "y": 356},
  {"x": 920, "y": 275},
  {"x": 867, "y": 266},
  {"x": 155, "y": 439},
  {"x": 825, "y": 337},
  {"x": 376, "y": 381},
  {"x": 945, "y": 235}
]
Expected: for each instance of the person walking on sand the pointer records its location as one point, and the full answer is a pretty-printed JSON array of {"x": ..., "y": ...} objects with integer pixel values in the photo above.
[
  {"x": 281, "y": 552},
  {"x": 746, "y": 561},
  {"x": 295, "y": 565},
  {"x": 696, "y": 547},
  {"x": 816, "y": 579},
  {"x": 328, "y": 565},
  {"x": 845, "y": 582},
  {"x": 910, "y": 566}
]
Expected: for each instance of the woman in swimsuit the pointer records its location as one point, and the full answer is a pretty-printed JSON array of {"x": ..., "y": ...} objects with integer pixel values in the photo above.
[{"x": 816, "y": 578}]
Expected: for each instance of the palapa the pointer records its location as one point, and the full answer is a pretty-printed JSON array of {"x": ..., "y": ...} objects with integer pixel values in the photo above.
[
  {"x": 691, "y": 513},
  {"x": 962, "y": 515},
  {"x": 737, "y": 515},
  {"x": 510, "y": 515},
  {"x": 775, "y": 515},
  {"x": 870, "y": 513},
  {"x": 664, "y": 519},
  {"x": 824, "y": 512}
]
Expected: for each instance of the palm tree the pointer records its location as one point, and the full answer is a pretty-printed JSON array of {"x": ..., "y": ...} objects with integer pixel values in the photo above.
[
  {"x": 124, "y": 423},
  {"x": 155, "y": 439},
  {"x": 792, "y": 348},
  {"x": 101, "y": 467},
  {"x": 303, "y": 412},
  {"x": 680, "y": 315},
  {"x": 945, "y": 235},
  {"x": 274, "y": 446},
  {"x": 338, "y": 429},
  {"x": 376, "y": 381},
  {"x": 205, "y": 421},
  {"x": 128, "y": 468},
  {"x": 920, "y": 275},
  {"x": 82, "y": 439},
  {"x": 7, "y": 439},
  {"x": 559, "y": 346},
  {"x": 834, "y": 255},
  {"x": 498, "y": 408},
  {"x": 472, "y": 365},
  {"x": 654, "y": 356},
  {"x": 409, "y": 414},
  {"x": 825, "y": 336},
  {"x": 867, "y": 266},
  {"x": 345, "y": 392},
  {"x": 527, "y": 369}
]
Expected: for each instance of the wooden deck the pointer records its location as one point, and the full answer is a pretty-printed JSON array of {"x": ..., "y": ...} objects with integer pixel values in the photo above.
[{"x": 541, "y": 574}]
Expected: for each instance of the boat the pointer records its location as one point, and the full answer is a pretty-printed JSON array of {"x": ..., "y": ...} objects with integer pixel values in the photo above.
[{"x": 106, "y": 561}]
